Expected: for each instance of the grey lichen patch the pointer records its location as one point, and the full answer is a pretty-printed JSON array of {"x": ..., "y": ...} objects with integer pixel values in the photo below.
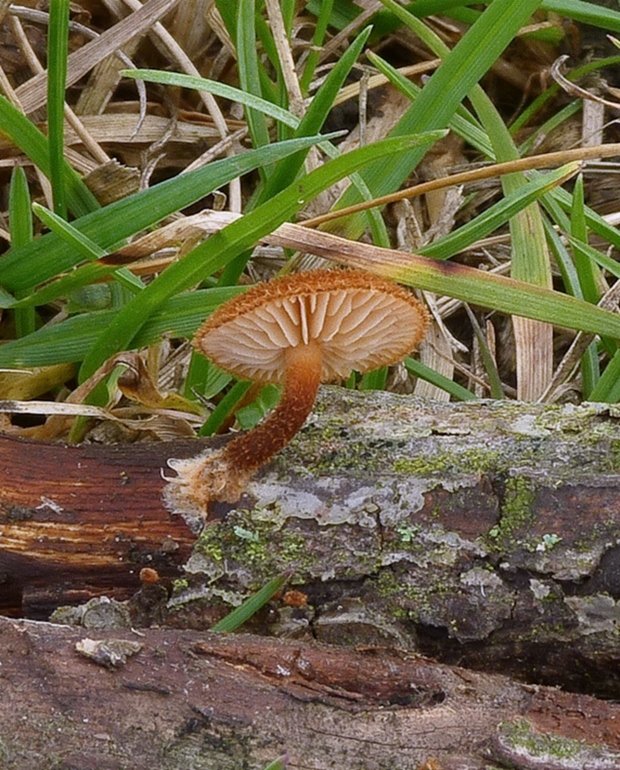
[
  {"x": 483, "y": 579},
  {"x": 566, "y": 563},
  {"x": 100, "y": 613},
  {"x": 469, "y": 606},
  {"x": 520, "y": 746},
  {"x": 329, "y": 502},
  {"x": 529, "y": 425},
  {"x": 344, "y": 500},
  {"x": 596, "y": 614},
  {"x": 425, "y": 547}
]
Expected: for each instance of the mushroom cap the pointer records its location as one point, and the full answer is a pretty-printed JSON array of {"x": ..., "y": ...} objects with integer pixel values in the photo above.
[{"x": 359, "y": 320}]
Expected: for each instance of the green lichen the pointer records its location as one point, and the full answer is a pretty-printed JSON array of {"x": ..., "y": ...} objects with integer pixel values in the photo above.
[
  {"x": 613, "y": 457},
  {"x": 422, "y": 466},
  {"x": 392, "y": 589},
  {"x": 467, "y": 461},
  {"x": 475, "y": 460},
  {"x": 358, "y": 458},
  {"x": 261, "y": 545},
  {"x": 408, "y": 601},
  {"x": 408, "y": 534},
  {"x": 550, "y": 540},
  {"x": 518, "y": 739},
  {"x": 516, "y": 514}
]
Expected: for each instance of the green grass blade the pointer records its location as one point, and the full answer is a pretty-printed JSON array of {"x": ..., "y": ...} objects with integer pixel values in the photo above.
[
  {"x": 249, "y": 68},
  {"x": 423, "y": 8},
  {"x": 587, "y": 13},
  {"x": 69, "y": 341},
  {"x": 233, "y": 240},
  {"x": 277, "y": 764},
  {"x": 6, "y": 300},
  {"x": 249, "y": 100},
  {"x": 562, "y": 258},
  {"x": 315, "y": 116},
  {"x": 224, "y": 408},
  {"x": 20, "y": 216},
  {"x": 250, "y": 606},
  {"x": 607, "y": 389},
  {"x": 266, "y": 42},
  {"x": 424, "y": 372},
  {"x": 498, "y": 214},
  {"x": 539, "y": 102},
  {"x": 320, "y": 29},
  {"x": 229, "y": 16},
  {"x": 594, "y": 221},
  {"x": 530, "y": 258},
  {"x": 586, "y": 271},
  {"x": 73, "y": 281},
  {"x": 493, "y": 377},
  {"x": 70, "y": 235},
  {"x": 462, "y": 123},
  {"x": 45, "y": 257},
  {"x": 58, "y": 50},
  {"x": 480, "y": 288},
  {"x": 20, "y": 225},
  {"x": 204, "y": 378},
  {"x": 84, "y": 246},
  {"x": 375, "y": 380},
  {"x": 34, "y": 144},
  {"x": 603, "y": 260},
  {"x": 556, "y": 120}
]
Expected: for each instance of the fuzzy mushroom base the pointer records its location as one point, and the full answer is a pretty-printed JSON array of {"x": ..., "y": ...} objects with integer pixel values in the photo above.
[
  {"x": 297, "y": 331},
  {"x": 199, "y": 480}
]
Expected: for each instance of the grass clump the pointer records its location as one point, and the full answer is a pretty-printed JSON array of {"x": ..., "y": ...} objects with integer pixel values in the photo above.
[{"x": 204, "y": 155}]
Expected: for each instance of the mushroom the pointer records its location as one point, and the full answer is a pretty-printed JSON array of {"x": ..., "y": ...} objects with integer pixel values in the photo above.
[{"x": 298, "y": 331}]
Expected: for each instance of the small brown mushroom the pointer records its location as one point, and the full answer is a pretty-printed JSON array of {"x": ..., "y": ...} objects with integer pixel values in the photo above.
[{"x": 299, "y": 331}]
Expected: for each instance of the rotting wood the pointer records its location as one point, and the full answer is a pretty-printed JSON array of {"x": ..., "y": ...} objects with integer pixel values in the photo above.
[
  {"x": 481, "y": 533},
  {"x": 179, "y": 699},
  {"x": 79, "y": 521}
]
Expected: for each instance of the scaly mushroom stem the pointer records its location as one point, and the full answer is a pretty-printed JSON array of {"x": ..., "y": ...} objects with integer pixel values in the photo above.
[
  {"x": 222, "y": 475},
  {"x": 248, "y": 452}
]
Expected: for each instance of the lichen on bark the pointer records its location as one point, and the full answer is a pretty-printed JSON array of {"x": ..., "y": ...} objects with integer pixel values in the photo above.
[{"x": 453, "y": 525}]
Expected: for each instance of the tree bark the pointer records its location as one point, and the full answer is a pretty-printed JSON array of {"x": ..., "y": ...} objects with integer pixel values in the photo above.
[
  {"x": 171, "y": 700},
  {"x": 481, "y": 533}
]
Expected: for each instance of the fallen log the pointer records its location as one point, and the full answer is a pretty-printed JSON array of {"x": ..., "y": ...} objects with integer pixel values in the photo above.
[
  {"x": 178, "y": 699},
  {"x": 481, "y": 533}
]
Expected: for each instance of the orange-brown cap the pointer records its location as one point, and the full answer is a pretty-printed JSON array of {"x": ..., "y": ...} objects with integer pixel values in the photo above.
[{"x": 359, "y": 320}]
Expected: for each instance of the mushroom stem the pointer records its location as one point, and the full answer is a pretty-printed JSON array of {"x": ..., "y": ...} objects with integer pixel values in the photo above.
[
  {"x": 248, "y": 452},
  {"x": 223, "y": 474}
]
